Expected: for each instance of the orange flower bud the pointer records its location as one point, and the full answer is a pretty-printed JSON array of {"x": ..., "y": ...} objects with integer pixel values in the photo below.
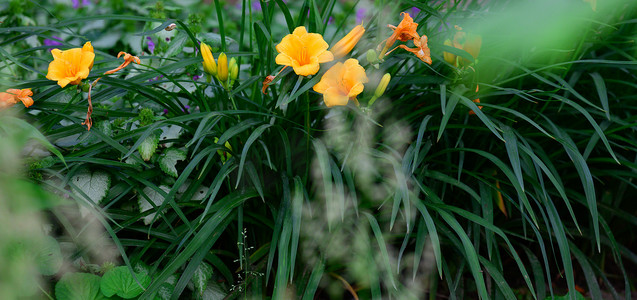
[{"x": 347, "y": 43}]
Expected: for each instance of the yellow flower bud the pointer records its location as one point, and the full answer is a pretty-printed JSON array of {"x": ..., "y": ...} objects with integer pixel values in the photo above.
[
  {"x": 347, "y": 43},
  {"x": 222, "y": 67},
  {"x": 231, "y": 65},
  {"x": 382, "y": 85},
  {"x": 233, "y": 70},
  {"x": 449, "y": 57},
  {"x": 209, "y": 65}
]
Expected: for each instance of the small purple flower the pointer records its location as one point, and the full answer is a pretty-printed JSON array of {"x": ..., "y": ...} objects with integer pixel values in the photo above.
[
  {"x": 330, "y": 20},
  {"x": 196, "y": 77},
  {"x": 53, "y": 42},
  {"x": 256, "y": 5},
  {"x": 151, "y": 45},
  {"x": 165, "y": 111},
  {"x": 415, "y": 11},
  {"x": 156, "y": 78},
  {"x": 360, "y": 15},
  {"x": 167, "y": 39},
  {"x": 76, "y": 3}
]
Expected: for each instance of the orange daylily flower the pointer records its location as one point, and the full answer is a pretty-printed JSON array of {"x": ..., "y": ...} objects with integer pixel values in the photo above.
[
  {"x": 421, "y": 51},
  {"x": 342, "y": 82},
  {"x": 405, "y": 31},
  {"x": 269, "y": 79},
  {"x": 476, "y": 101},
  {"x": 347, "y": 43},
  {"x": 470, "y": 43},
  {"x": 303, "y": 51},
  {"x": 12, "y": 96},
  {"x": 71, "y": 66},
  {"x": 127, "y": 60},
  {"x": 266, "y": 83}
]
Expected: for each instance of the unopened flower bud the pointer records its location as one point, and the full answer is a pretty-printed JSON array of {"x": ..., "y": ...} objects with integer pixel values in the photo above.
[
  {"x": 372, "y": 56},
  {"x": 233, "y": 70},
  {"x": 232, "y": 63},
  {"x": 449, "y": 57},
  {"x": 347, "y": 43},
  {"x": 382, "y": 85},
  {"x": 209, "y": 65},
  {"x": 222, "y": 67}
]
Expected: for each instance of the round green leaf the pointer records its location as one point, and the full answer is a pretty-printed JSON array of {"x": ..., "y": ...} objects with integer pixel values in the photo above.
[
  {"x": 78, "y": 286},
  {"x": 49, "y": 257},
  {"x": 120, "y": 281}
]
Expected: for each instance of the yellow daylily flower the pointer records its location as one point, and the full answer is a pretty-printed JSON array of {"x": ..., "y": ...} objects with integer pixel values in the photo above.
[
  {"x": 12, "y": 96},
  {"x": 303, "y": 51},
  {"x": 71, "y": 66},
  {"x": 342, "y": 82},
  {"x": 347, "y": 43},
  {"x": 471, "y": 43}
]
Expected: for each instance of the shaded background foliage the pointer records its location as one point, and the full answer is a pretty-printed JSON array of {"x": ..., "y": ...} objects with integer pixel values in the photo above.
[{"x": 528, "y": 197}]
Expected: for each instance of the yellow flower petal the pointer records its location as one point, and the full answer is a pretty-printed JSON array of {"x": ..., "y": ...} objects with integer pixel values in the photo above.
[
  {"x": 300, "y": 31},
  {"x": 307, "y": 69},
  {"x": 326, "y": 56},
  {"x": 355, "y": 90},
  {"x": 283, "y": 59},
  {"x": 333, "y": 96}
]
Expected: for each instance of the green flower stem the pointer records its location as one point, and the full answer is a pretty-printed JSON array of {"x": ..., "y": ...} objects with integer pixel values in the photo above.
[
  {"x": 307, "y": 132},
  {"x": 371, "y": 101}
]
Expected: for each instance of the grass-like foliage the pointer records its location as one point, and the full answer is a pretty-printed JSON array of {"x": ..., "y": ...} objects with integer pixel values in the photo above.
[{"x": 502, "y": 168}]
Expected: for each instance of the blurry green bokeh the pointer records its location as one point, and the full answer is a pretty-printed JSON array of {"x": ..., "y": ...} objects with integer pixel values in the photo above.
[{"x": 22, "y": 237}]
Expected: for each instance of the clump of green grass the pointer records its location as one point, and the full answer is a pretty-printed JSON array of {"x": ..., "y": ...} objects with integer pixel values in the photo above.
[{"x": 213, "y": 189}]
